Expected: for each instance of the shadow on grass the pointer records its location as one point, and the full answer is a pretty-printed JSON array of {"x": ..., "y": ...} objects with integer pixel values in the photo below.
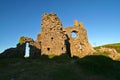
[
  {"x": 60, "y": 68},
  {"x": 100, "y": 65}
]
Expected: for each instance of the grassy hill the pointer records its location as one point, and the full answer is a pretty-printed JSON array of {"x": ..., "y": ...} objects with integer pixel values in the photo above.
[
  {"x": 94, "y": 67},
  {"x": 115, "y": 46},
  {"x": 112, "y": 51}
]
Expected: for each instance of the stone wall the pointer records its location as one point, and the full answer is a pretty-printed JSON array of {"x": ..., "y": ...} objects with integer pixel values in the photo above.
[
  {"x": 51, "y": 39},
  {"x": 34, "y": 51},
  {"x": 55, "y": 40},
  {"x": 112, "y": 53},
  {"x": 79, "y": 45}
]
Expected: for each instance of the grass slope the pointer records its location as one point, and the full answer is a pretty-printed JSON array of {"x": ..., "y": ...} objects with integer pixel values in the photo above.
[
  {"x": 115, "y": 46},
  {"x": 60, "y": 68}
]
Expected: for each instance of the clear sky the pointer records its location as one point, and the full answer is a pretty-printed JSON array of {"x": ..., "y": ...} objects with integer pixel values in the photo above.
[{"x": 23, "y": 18}]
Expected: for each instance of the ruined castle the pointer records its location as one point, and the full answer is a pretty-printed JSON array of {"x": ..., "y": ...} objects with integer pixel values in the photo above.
[{"x": 56, "y": 40}]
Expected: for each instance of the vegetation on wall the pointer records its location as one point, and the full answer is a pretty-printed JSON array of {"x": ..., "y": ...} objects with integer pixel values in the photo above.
[{"x": 21, "y": 39}]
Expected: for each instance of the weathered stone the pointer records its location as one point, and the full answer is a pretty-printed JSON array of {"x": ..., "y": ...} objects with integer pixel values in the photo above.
[
  {"x": 51, "y": 39},
  {"x": 55, "y": 40},
  {"x": 27, "y": 40},
  {"x": 79, "y": 46},
  {"x": 112, "y": 53},
  {"x": 34, "y": 51}
]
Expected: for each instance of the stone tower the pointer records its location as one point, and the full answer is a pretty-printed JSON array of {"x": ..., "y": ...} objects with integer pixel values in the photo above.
[
  {"x": 79, "y": 45},
  {"x": 51, "y": 39}
]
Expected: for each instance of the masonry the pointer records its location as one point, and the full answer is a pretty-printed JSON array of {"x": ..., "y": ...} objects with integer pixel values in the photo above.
[{"x": 56, "y": 40}]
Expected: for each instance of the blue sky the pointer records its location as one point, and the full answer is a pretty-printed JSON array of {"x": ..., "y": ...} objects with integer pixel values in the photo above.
[{"x": 23, "y": 18}]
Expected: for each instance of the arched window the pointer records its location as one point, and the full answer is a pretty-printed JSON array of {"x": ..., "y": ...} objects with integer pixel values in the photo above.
[{"x": 27, "y": 49}]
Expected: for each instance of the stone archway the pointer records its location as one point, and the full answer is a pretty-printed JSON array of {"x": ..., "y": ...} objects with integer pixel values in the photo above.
[{"x": 30, "y": 49}]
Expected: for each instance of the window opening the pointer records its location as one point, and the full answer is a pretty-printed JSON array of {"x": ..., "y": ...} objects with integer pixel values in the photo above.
[
  {"x": 74, "y": 34},
  {"x": 48, "y": 49},
  {"x": 80, "y": 46},
  {"x": 27, "y": 49},
  {"x": 52, "y": 38}
]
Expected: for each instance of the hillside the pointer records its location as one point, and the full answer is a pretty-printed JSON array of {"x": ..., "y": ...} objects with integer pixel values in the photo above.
[
  {"x": 94, "y": 67},
  {"x": 114, "y": 45}
]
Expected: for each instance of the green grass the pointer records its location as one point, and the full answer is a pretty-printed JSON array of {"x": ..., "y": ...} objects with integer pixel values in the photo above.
[
  {"x": 102, "y": 53},
  {"x": 21, "y": 39},
  {"x": 60, "y": 68},
  {"x": 115, "y": 46}
]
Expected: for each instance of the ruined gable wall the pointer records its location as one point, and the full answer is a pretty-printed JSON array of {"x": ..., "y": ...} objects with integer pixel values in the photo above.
[
  {"x": 79, "y": 46},
  {"x": 34, "y": 51}
]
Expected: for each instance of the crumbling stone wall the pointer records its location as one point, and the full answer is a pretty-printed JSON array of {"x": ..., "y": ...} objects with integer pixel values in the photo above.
[
  {"x": 111, "y": 52},
  {"x": 34, "y": 51},
  {"x": 55, "y": 40},
  {"x": 51, "y": 39},
  {"x": 79, "y": 46}
]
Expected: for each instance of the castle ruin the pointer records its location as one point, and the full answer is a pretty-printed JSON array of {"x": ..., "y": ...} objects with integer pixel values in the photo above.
[{"x": 56, "y": 40}]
